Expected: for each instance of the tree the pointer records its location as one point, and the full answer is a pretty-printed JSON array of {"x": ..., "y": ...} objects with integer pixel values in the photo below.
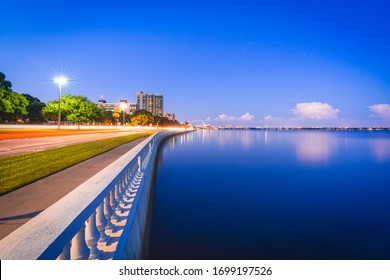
[
  {"x": 34, "y": 108},
  {"x": 73, "y": 108},
  {"x": 4, "y": 84},
  {"x": 12, "y": 104},
  {"x": 141, "y": 117},
  {"x": 163, "y": 122},
  {"x": 115, "y": 114},
  {"x": 5, "y": 102},
  {"x": 50, "y": 112}
]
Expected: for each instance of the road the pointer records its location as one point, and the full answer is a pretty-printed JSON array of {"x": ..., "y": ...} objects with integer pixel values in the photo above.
[
  {"x": 23, "y": 204},
  {"x": 19, "y": 146}
]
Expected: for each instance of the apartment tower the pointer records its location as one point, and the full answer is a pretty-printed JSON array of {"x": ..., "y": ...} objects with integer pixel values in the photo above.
[{"x": 154, "y": 103}]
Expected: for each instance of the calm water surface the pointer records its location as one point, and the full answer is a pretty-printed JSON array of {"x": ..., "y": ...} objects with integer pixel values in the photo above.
[{"x": 272, "y": 195}]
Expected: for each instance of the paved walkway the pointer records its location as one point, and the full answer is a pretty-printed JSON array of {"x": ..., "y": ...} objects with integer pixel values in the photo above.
[{"x": 18, "y": 207}]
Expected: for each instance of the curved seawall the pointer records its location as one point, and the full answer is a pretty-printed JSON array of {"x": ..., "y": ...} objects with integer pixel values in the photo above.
[
  {"x": 133, "y": 246},
  {"x": 103, "y": 218}
]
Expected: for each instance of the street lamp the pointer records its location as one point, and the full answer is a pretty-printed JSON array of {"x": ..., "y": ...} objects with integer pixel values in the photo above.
[
  {"x": 123, "y": 106},
  {"x": 60, "y": 81}
]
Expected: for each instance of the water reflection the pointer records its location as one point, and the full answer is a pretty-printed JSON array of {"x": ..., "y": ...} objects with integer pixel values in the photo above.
[
  {"x": 315, "y": 147},
  {"x": 310, "y": 147},
  {"x": 380, "y": 149},
  {"x": 246, "y": 140},
  {"x": 224, "y": 138}
]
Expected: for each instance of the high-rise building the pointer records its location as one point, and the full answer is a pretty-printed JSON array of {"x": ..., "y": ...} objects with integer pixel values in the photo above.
[{"x": 154, "y": 103}]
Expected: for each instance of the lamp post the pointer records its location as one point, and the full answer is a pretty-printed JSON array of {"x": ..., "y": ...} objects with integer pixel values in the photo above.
[
  {"x": 60, "y": 81},
  {"x": 123, "y": 106}
]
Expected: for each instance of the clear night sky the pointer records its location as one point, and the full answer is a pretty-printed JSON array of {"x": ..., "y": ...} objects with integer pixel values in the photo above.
[{"x": 257, "y": 63}]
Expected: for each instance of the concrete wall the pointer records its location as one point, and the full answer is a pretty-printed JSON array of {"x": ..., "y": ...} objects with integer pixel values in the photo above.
[{"x": 132, "y": 244}]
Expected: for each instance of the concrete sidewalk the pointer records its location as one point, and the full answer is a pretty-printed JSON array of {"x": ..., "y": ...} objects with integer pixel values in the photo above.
[{"x": 19, "y": 206}]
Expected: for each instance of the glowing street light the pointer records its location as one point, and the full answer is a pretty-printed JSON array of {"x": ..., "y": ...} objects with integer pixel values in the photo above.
[
  {"x": 60, "y": 81},
  {"x": 123, "y": 106}
]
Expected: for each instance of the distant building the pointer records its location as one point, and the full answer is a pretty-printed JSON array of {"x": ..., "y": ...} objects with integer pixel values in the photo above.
[
  {"x": 130, "y": 109},
  {"x": 170, "y": 116},
  {"x": 107, "y": 106},
  {"x": 154, "y": 103}
]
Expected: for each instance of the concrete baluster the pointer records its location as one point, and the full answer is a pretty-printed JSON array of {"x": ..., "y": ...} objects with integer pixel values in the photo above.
[
  {"x": 128, "y": 184},
  {"x": 65, "y": 254},
  {"x": 122, "y": 189},
  {"x": 139, "y": 163},
  {"x": 124, "y": 186},
  {"x": 134, "y": 173},
  {"x": 101, "y": 223},
  {"x": 119, "y": 197},
  {"x": 128, "y": 177},
  {"x": 92, "y": 237},
  {"x": 79, "y": 249},
  {"x": 108, "y": 213},
  {"x": 127, "y": 190},
  {"x": 113, "y": 204},
  {"x": 135, "y": 169}
]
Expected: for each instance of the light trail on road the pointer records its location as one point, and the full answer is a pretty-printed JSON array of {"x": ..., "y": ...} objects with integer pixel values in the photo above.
[{"x": 25, "y": 145}]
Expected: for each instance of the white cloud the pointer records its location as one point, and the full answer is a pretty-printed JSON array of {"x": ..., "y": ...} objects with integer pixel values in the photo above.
[
  {"x": 224, "y": 117},
  {"x": 196, "y": 121},
  {"x": 381, "y": 110},
  {"x": 315, "y": 110},
  {"x": 247, "y": 117},
  {"x": 271, "y": 118}
]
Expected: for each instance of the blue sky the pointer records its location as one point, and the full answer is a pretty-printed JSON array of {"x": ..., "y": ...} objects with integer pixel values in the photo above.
[{"x": 250, "y": 63}]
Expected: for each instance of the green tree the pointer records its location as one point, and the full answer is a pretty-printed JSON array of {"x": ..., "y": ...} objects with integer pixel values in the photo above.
[
  {"x": 141, "y": 117},
  {"x": 34, "y": 108},
  {"x": 73, "y": 108},
  {"x": 50, "y": 112},
  {"x": 12, "y": 104},
  {"x": 5, "y": 102}
]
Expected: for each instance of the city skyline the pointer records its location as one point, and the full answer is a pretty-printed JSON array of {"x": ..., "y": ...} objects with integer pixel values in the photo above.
[{"x": 300, "y": 63}]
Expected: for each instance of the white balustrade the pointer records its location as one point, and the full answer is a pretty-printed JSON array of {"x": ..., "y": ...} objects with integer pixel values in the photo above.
[
  {"x": 101, "y": 223},
  {"x": 79, "y": 249},
  {"x": 108, "y": 213},
  {"x": 120, "y": 193},
  {"x": 118, "y": 200},
  {"x": 101, "y": 215},
  {"x": 139, "y": 163},
  {"x": 92, "y": 236},
  {"x": 113, "y": 204},
  {"x": 65, "y": 254}
]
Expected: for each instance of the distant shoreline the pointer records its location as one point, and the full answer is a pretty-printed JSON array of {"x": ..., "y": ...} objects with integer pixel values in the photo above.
[{"x": 301, "y": 128}]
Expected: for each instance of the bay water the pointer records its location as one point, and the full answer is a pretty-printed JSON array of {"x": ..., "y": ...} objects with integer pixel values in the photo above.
[{"x": 269, "y": 194}]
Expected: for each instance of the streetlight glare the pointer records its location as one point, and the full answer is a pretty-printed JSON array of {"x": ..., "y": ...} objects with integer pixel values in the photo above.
[
  {"x": 61, "y": 80},
  {"x": 123, "y": 106}
]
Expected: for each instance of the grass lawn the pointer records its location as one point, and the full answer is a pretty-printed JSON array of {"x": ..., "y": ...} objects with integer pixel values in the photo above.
[{"x": 17, "y": 171}]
